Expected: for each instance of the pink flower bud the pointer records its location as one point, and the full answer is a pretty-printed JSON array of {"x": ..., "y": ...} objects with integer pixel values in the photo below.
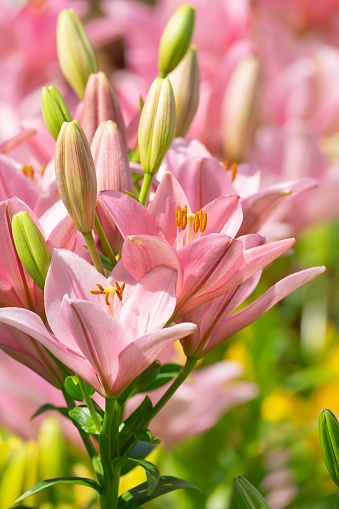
[{"x": 100, "y": 104}]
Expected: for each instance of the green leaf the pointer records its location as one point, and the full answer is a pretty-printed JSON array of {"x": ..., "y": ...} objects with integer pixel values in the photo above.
[
  {"x": 106, "y": 262},
  {"x": 82, "y": 419},
  {"x": 147, "y": 377},
  {"x": 133, "y": 498},
  {"x": 166, "y": 374},
  {"x": 42, "y": 485},
  {"x": 152, "y": 472},
  {"x": 73, "y": 388},
  {"x": 144, "y": 435},
  {"x": 133, "y": 421},
  {"x": 139, "y": 451},
  {"x": 45, "y": 408}
]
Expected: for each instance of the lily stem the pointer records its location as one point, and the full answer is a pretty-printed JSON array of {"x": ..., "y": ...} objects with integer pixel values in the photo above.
[
  {"x": 146, "y": 184},
  {"x": 104, "y": 241},
  {"x": 93, "y": 250},
  {"x": 109, "y": 450}
]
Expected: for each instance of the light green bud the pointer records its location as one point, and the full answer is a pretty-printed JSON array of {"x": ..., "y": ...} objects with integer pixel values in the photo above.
[
  {"x": 54, "y": 110},
  {"x": 31, "y": 247},
  {"x": 186, "y": 83},
  {"x": 329, "y": 442},
  {"x": 157, "y": 125},
  {"x": 247, "y": 496},
  {"x": 175, "y": 39},
  {"x": 75, "y": 52},
  {"x": 75, "y": 175}
]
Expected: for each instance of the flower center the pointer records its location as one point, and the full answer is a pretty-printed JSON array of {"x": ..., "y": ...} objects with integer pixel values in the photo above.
[
  {"x": 192, "y": 224},
  {"x": 113, "y": 306},
  {"x": 232, "y": 167}
]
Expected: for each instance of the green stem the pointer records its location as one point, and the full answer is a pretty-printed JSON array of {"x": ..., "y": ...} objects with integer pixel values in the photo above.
[
  {"x": 183, "y": 374},
  {"x": 92, "y": 248},
  {"x": 89, "y": 403},
  {"x": 109, "y": 449},
  {"x": 85, "y": 438},
  {"x": 146, "y": 184},
  {"x": 104, "y": 241}
]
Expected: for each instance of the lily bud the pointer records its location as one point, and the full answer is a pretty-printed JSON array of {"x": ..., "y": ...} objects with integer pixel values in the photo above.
[
  {"x": 111, "y": 159},
  {"x": 247, "y": 496},
  {"x": 54, "y": 110},
  {"x": 75, "y": 175},
  {"x": 100, "y": 104},
  {"x": 329, "y": 442},
  {"x": 31, "y": 247},
  {"x": 157, "y": 125},
  {"x": 186, "y": 82},
  {"x": 175, "y": 39},
  {"x": 237, "y": 108},
  {"x": 75, "y": 52}
]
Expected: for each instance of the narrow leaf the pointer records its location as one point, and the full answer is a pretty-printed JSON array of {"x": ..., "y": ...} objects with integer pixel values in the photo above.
[
  {"x": 42, "y": 485},
  {"x": 47, "y": 406},
  {"x": 166, "y": 374},
  {"x": 73, "y": 388},
  {"x": 152, "y": 472},
  {"x": 133, "y": 421},
  {"x": 133, "y": 498}
]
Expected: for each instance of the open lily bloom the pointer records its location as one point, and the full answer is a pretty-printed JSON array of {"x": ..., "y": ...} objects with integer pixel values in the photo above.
[
  {"x": 208, "y": 260},
  {"x": 106, "y": 330}
]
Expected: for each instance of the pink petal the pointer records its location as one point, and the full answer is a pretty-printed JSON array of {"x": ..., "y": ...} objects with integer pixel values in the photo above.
[
  {"x": 140, "y": 354},
  {"x": 248, "y": 315},
  {"x": 224, "y": 215},
  {"x": 151, "y": 304},
  {"x": 68, "y": 275},
  {"x": 99, "y": 336},
  {"x": 129, "y": 215},
  {"x": 164, "y": 205},
  {"x": 143, "y": 253}
]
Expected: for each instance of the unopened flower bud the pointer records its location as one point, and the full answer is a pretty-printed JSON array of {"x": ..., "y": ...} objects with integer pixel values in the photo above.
[
  {"x": 247, "y": 496},
  {"x": 175, "y": 39},
  {"x": 54, "y": 110},
  {"x": 75, "y": 52},
  {"x": 186, "y": 82},
  {"x": 100, "y": 104},
  {"x": 237, "y": 107},
  {"x": 31, "y": 247},
  {"x": 329, "y": 442},
  {"x": 75, "y": 175},
  {"x": 157, "y": 125},
  {"x": 111, "y": 159}
]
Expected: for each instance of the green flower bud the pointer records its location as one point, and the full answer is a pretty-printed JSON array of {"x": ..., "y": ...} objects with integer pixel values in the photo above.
[
  {"x": 157, "y": 125},
  {"x": 75, "y": 52},
  {"x": 175, "y": 39},
  {"x": 247, "y": 496},
  {"x": 31, "y": 247},
  {"x": 186, "y": 82},
  {"x": 54, "y": 110},
  {"x": 75, "y": 175},
  {"x": 329, "y": 442}
]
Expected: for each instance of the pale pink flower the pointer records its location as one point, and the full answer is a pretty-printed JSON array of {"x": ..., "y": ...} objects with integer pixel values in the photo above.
[{"x": 109, "y": 337}]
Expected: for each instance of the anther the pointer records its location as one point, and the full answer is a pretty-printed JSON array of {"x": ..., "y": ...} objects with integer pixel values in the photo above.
[
  {"x": 196, "y": 222},
  {"x": 203, "y": 221},
  {"x": 226, "y": 165},
  {"x": 178, "y": 216},
  {"x": 234, "y": 170},
  {"x": 184, "y": 218},
  {"x": 28, "y": 172}
]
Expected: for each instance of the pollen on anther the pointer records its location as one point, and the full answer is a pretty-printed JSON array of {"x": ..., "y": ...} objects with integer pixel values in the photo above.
[
  {"x": 184, "y": 218},
  {"x": 203, "y": 222},
  {"x": 178, "y": 216},
  {"x": 234, "y": 170},
  {"x": 226, "y": 165},
  {"x": 196, "y": 222}
]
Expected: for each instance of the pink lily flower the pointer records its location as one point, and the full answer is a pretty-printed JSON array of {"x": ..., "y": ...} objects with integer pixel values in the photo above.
[
  {"x": 208, "y": 260},
  {"x": 106, "y": 330},
  {"x": 204, "y": 178},
  {"x": 196, "y": 407}
]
